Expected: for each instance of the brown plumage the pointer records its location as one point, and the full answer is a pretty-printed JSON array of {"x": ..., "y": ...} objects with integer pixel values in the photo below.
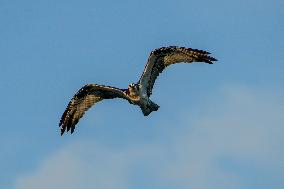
[
  {"x": 86, "y": 97},
  {"x": 137, "y": 94},
  {"x": 160, "y": 58}
]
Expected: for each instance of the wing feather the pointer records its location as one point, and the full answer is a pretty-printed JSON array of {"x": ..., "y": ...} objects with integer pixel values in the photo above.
[
  {"x": 160, "y": 58},
  {"x": 86, "y": 97}
]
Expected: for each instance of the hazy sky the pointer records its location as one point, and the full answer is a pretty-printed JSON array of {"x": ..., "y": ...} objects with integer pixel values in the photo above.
[{"x": 219, "y": 126}]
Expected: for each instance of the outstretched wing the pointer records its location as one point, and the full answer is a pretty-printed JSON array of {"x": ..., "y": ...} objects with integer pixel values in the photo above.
[
  {"x": 83, "y": 100},
  {"x": 160, "y": 58}
]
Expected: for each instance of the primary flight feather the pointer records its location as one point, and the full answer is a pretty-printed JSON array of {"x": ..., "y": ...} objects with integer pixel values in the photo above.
[{"x": 136, "y": 93}]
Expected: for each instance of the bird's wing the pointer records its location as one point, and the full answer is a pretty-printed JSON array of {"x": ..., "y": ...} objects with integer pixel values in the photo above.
[
  {"x": 160, "y": 58},
  {"x": 83, "y": 100}
]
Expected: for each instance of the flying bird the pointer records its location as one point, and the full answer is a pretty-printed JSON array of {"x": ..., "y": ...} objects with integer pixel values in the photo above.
[{"x": 136, "y": 93}]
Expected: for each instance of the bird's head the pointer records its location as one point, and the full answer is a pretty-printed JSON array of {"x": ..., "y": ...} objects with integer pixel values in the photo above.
[{"x": 133, "y": 87}]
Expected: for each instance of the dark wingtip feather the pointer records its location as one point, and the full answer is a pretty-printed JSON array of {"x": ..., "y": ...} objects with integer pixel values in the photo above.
[
  {"x": 200, "y": 51},
  {"x": 68, "y": 128},
  {"x": 62, "y": 130},
  {"x": 213, "y": 59},
  {"x": 61, "y": 121},
  {"x": 207, "y": 59},
  {"x": 72, "y": 129}
]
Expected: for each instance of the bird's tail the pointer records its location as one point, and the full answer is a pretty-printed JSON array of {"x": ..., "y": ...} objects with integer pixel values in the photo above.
[{"x": 149, "y": 108}]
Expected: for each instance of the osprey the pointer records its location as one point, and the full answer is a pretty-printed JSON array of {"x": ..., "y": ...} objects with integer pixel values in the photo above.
[{"x": 136, "y": 93}]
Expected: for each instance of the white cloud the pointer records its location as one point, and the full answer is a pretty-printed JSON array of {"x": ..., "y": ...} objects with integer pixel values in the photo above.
[
  {"x": 77, "y": 166},
  {"x": 243, "y": 126}
]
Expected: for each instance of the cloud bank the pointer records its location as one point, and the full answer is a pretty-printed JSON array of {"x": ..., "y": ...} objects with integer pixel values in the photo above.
[{"x": 238, "y": 138}]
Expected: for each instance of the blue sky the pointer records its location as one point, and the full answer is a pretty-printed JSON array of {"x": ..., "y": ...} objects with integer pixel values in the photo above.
[{"x": 219, "y": 125}]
